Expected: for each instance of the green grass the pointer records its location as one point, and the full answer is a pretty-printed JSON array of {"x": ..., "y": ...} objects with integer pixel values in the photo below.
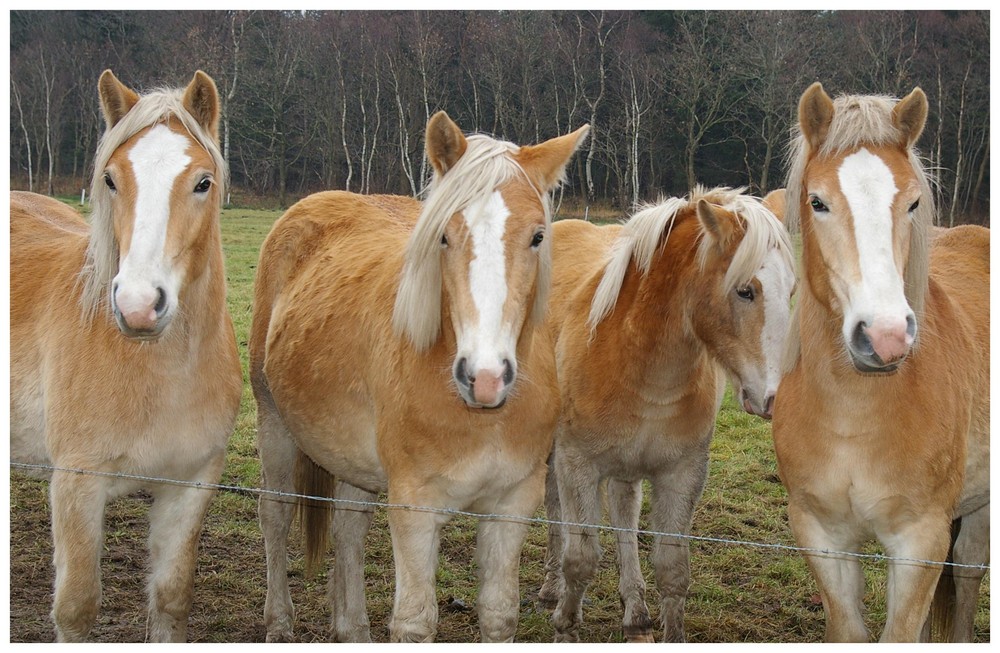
[{"x": 738, "y": 593}]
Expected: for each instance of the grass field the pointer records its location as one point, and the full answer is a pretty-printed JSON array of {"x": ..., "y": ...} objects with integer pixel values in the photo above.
[{"x": 738, "y": 593}]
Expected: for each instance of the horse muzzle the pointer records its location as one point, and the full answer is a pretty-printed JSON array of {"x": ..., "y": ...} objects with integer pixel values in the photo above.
[
  {"x": 486, "y": 387},
  {"x": 141, "y": 315}
]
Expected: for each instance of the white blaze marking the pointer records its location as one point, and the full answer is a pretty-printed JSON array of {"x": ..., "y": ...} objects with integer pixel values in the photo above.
[
  {"x": 157, "y": 159},
  {"x": 486, "y": 221},
  {"x": 868, "y": 185},
  {"x": 776, "y": 280}
]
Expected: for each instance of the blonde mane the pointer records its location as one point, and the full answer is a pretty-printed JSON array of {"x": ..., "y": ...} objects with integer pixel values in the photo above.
[
  {"x": 486, "y": 164},
  {"x": 648, "y": 231},
  {"x": 101, "y": 262},
  {"x": 860, "y": 120}
]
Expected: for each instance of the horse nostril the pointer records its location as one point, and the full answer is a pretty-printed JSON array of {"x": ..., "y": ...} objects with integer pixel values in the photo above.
[
  {"x": 769, "y": 404},
  {"x": 508, "y": 372},
  {"x": 911, "y": 326},
  {"x": 461, "y": 374},
  {"x": 161, "y": 302},
  {"x": 860, "y": 341}
]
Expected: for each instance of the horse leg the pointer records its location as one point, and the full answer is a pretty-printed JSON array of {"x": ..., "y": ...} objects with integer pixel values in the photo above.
[
  {"x": 972, "y": 547},
  {"x": 498, "y": 556},
  {"x": 675, "y": 493},
  {"x": 910, "y": 586},
  {"x": 840, "y": 579},
  {"x": 552, "y": 587},
  {"x": 78, "y": 502},
  {"x": 416, "y": 537},
  {"x": 347, "y": 580},
  {"x": 624, "y": 505},
  {"x": 175, "y": 522},
  {"x": 277, "y": 464},
  {"x": 580, "y": 504}
]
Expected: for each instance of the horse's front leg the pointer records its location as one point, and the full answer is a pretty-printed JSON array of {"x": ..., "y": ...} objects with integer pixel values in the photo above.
[
  {"x": 580, "y": 503},
  {"x": 675, "y": 494},
  {"x": 624, "y": 505},
  {"x": 175, "y": 521},
  {"x": 416, "y": 537},
  {"x": 840, "y": 579},
  {"x": 910, "y": 586},
  {"x": 78, "y": 502},
  {"x": 498, "y": 556}
]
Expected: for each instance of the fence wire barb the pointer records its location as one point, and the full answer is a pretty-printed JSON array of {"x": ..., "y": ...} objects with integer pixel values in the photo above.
[{"x": 261, "y": 492}]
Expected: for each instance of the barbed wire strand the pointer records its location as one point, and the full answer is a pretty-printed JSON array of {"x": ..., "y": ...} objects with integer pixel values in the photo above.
[{"x": 238, "y": 489}]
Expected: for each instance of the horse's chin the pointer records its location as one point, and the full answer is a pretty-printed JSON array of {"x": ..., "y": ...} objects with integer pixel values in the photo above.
[{"x": 873, "y": 366}]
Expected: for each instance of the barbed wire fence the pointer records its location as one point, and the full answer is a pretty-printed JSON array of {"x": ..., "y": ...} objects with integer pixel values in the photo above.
[{"x": 263, "y": 492}]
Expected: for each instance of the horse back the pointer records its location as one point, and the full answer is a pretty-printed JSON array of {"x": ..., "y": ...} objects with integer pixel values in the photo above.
[
  {"x": 319, "y": 236},
  {"x": 579, "y": 254}
]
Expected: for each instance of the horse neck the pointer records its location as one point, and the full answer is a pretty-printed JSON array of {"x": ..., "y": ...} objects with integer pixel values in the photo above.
[
  {"x": 657, "y": 317},
  {"x": 203, "y": 296}
]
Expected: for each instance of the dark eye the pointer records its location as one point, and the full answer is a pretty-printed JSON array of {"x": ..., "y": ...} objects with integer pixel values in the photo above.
[
  {"x": 913, "y": 207},
  {"x": 745, "y": 293},
  {"x": 444, "y": 241},
  {"x": 109, "y": 182},
  {"x": 537, "y": 239},
  {"x": 203, "y": 185},
  {"x": 818, "y": 206}
]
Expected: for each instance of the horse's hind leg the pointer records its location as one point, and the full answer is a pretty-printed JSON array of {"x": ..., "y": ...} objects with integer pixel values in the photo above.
[
  {"x": 347, "y": 580},
  {"x": 175, "y": 522},
  {"x": 552, "y": 587},
  {"x": 972, "y": 547},
  {"x": 624, "y": 505},
  {"x": 78, "y": 502},
  {"x": 277, "y": 462}
]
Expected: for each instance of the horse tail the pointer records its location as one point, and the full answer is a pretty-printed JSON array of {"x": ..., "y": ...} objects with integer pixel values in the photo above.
[
  {"x": 315, "y": 515},
  {"x": 942, "y": 614}
]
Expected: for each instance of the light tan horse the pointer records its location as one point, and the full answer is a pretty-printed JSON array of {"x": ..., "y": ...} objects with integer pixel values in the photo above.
[
  {"x": 649, "y": 319},
  {"x": 123, "y": 358},
  {"x": 881, "y": 426},
  {"x": 395, "y": 346}
]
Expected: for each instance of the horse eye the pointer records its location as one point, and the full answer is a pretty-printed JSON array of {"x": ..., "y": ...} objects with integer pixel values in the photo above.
[
  {"x": 746, "y": 293},
  {"x": 109, "y": 182},
  {"x": 203, "y": 185},
  {"x": 913, "y": 207},
  {"x": 818, "y": 206},
  {"x": 537, "y": 239},
  {"x": 444, "y": 241}
]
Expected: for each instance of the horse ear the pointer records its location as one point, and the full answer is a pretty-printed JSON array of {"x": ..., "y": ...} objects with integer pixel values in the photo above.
[
  {"x": 775, "y": 203},
  {"x": 546, "y": 162},
  {"x": 910, "y": 115},
  {"x": 201, "y": 99},
  {"x": 445, "y": 142},
  {"x": 815, "y": 115},
  {"x": 718, "y": 227},
  {"x": 116, "y": 98}
]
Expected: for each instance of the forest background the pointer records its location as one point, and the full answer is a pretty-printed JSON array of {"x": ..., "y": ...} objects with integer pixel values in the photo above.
[{"x": 323, "y": 100}]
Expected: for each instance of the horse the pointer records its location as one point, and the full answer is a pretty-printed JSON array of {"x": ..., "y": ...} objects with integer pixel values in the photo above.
[
  {"x": 396, "y": 346},
  {"x": 648, "y": 320},
  {"x": 881, "y": 423},
  {"x": 123, "y": 356}
]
